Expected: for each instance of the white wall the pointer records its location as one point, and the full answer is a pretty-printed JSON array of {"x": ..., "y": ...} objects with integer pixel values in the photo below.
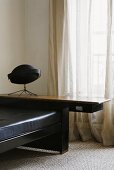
[
  {"x": 37, "y": 21},
  {"x": 23, "y": 39},
  {"x": 12, "y": 44}
]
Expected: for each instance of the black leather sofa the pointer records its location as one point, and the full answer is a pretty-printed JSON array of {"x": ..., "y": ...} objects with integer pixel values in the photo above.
[
  {"x": 15, "y": 123},
  {"x": 33, "y": 123},
  {"x": 18, "y": 123}
]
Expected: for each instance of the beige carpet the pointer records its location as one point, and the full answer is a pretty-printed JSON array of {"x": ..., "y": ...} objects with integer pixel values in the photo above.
[{"x": 81, "y": 156}]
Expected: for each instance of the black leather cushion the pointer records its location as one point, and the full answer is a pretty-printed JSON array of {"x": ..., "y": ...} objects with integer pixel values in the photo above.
[{"x": 15, "y": 122}]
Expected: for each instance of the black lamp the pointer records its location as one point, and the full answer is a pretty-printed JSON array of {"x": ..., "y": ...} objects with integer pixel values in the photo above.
[{"x": 24, "y": 74}]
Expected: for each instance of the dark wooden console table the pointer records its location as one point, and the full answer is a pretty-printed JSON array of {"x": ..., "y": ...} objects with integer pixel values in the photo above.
[{"x": 52, "y": 138}]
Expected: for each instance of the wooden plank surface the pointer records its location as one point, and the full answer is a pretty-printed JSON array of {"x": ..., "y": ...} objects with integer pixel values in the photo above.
[{"x": 72, "y": 99}]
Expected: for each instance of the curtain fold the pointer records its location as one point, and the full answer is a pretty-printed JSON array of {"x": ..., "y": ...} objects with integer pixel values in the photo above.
[
  {"x": 59, "y": 51},
  {"x": 52, "y": 71},
  {"x": 81, "y": 62},
  {"x": 108, "y": 127}
]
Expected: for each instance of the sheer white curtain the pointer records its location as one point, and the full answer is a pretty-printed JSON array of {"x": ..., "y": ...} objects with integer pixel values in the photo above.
[
  {"x": 93, "y": 64},
  {"x": 80, "y": 54}
]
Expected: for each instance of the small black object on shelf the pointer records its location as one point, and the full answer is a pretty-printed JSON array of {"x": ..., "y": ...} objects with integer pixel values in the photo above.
[{"x": 24, "y": 74}]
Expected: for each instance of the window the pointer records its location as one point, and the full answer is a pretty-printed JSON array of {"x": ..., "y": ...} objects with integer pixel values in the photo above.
[{"x": 88, "y": 40}]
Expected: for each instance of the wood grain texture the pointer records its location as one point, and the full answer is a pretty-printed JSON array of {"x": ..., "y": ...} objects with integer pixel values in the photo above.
[{"x": 60, "y": 98}]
